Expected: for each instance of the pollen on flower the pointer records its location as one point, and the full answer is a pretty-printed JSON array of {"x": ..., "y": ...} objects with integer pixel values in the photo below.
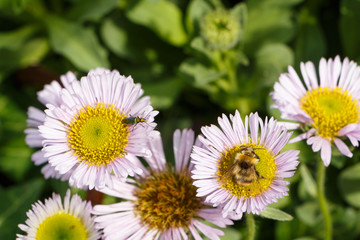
[
  {"x": 242, "y": 182},
  {"x": 331, "y": 109},
  {"x": 166, "y": 200},
  {"x": 61, "y": 226},
  {"x": 97, "y": 134}
]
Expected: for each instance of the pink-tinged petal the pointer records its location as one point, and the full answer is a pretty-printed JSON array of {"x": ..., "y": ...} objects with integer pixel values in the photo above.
[
  {"x": 316, "y": 142},
  {"x": 210, "y": 232},
  {"x": 254, "y": 127},
  {"x": 297, "y": 82},
  {"x": 183, "y": 142},
  {"x": 353, "y": 127},
  {"x": 212, "y": 215},
  {"x": 194, "y": 232},
  {"x": 305, "y": 76},
  {"x": 288, "y": 88},
  {"x": 310, "y": 69},
  {"x": 290, "y": 125},
  {"x": 335, "y": 71},
  {"x": 354, "y": 140},
  {"x": 323, "y": 73},
  {"x": 342, "y": 147},
  {"x": 303, "y": 136},
  {"x": 228, "y": 130},
  {"x": 326, "y": 152}
]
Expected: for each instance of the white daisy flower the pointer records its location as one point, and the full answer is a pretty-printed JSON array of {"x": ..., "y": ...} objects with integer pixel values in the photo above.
[
  {"x": 239, "y": 167},
  {"x": 100, "y": 122},
  {"x": 49, "y": 95},
  {"x": 327, "y": 110},
  {"x": 55, "y": 219},
  {"x": 162, "y": 204}
]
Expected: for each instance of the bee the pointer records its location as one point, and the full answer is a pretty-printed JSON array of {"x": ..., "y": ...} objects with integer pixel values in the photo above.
[{"x": 243, "y": 170}]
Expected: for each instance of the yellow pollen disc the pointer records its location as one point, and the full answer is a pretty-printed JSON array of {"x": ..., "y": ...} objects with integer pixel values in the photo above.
[
  {"x": 166, "y": 200},
  {"x": 249, "y": 184},
  {"x": 331, "y": 109},
  {"x": 61, "y": 226},
  {"x": 97, "y": 134}
]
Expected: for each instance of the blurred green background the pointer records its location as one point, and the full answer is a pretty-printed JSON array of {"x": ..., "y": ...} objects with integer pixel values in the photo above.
[{"x": 191, "y": 76}]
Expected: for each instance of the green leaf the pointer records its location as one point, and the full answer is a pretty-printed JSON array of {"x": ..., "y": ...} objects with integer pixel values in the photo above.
[
  {"x": 310, "y": 45},
  {"x": 309, "y": 213},
  {"x": 346, "y": 220},
  {"x": 338, "y": 159},
  {"x": 349, "y": 29},
  {"x": 14, "y": 153},
  {"x": 76, "y": 43},
  {"x": 276, "y": 214},
  {"x": 14, "y": 6},
  {"x": 15, "y": 158},
  {"x": 34, "y": 51},
  {"x": 200, "y": 73},
  {"x": 281, "y": 3},
  {"x": 349, "y": 182},
  {"x": 117, "y": 39},
  {"x": 230, "y": 234},
  {"x": 93, "y": 12},
  {"x": 15, "y": 39},
  {"x": 309, "y": 182},
  {"x": 30, "y": 53},
  {"x": 163, "y": 93},
  {"x": 12, "y": 118},
  {"x": 281, "y": 203},
  {"x": 121, "y": 36},
  {"x": 271, "y": 61},
  {"x": 305, "y": 238},
  {"x": 199, "y": 45},
  {"x": 109, "y": 200},
  {"x": 9, "y": 60},
  {"x": 240, "y": 11},
  {"x": 268, "y": 21},
  {"x": 194, "y": 13},
  {"x": 286, "y": 230},
  {"x": 14, "y": 204},
  {"x": 163, "y": 17}
]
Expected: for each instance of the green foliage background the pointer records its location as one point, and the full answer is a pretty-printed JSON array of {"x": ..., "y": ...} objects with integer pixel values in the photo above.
[{"x": 159, "y": 43}]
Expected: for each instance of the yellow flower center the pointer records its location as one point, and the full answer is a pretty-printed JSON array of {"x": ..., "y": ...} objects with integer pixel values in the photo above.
[
  {"x": 246, "y": 175},
  {"x": 166, "y": 200},
  {"x": 98, "y": 134},
  {"x": 331, "y": 109},
  {"x": 61, "y": 226}
]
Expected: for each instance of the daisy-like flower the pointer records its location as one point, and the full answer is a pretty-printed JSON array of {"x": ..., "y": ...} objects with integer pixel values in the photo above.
[
  {"x": 239, "y": 167},
  {"x": 328, "y": 111},
  {"x": 49, "y": 95},
  {"x": 162, "y": 204},
  {"x": 55, "y": 219},
  {"x": 99, "y": 122}
]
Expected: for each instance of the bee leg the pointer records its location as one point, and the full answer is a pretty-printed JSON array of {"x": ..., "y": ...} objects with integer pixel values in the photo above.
[{"x": 258, "y": 174}]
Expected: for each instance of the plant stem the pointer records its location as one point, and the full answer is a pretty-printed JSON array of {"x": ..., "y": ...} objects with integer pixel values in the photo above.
[
  {"x": 320, "y": 179},
  {"x": 250, "y": 223},
  {"x": 231, "y": 70}
]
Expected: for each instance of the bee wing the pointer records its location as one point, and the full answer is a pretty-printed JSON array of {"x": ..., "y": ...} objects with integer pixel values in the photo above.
[{"x": 229, "y": 173}]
